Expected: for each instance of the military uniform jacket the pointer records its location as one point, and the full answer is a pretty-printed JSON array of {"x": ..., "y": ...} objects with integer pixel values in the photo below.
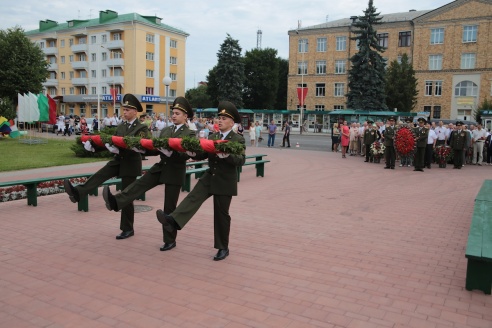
[
  {"x": 173, "y": 168},
  {"x": 370, "y": 135},
  {"x": 459, "y": 140},
  {"x": 130, "y": 162},
  {"x": 389, "y": 136},
  {"x": 421, "y": 136},
  {"x": 221, "y": 176}
]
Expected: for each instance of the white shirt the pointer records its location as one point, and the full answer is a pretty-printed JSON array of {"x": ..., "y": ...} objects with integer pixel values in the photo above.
[
  {"x": 113, "y": 121},
  {"x": 160, "y": 125},
  {"x": 432, "y": 136},
  {"x": 441, "y": 133},
  {"x": 477, "y": 134},
  {"x": 224, "y": 134}
]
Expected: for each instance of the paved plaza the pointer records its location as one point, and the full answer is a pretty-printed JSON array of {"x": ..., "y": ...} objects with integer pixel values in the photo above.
[{"x": 320, "y": 241}]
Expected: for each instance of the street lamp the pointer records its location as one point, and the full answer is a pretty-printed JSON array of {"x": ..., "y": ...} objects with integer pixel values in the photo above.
[
  {"x": 304, "y": 48},
  {"x": 167, "y": 81}
]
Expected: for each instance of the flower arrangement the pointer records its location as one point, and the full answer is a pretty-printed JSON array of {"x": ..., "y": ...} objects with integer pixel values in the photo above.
[
  {"x": 43, "y": 188},
  {"x": 377, "y": 149},
  {"x": 404, "y": 142},
  {"x": 443, "y": 154}
]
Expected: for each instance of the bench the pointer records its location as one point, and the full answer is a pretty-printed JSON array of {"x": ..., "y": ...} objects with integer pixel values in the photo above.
[
  {"x": 258, "y": 162},
  {"x": 197, "y": 170},
  {"x": 479, "y": 245}
]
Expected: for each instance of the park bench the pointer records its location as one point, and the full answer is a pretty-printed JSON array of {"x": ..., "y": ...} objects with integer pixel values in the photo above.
[
  {"x": 258, "y": 162},
  {"x": 479, "y": 245}
]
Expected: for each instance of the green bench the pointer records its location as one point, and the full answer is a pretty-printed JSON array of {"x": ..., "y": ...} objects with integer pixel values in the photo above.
[
  {"x": 258, "y": 162},
  {"x": 479, "y": 245}
]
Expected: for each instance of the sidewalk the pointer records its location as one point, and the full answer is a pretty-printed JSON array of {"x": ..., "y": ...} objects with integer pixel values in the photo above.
[{"x": 320, "y": 241}]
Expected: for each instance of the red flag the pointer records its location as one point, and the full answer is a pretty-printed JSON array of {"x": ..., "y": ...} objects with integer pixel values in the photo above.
[
  {"x": 52, "y": 110},
  {"x": 302, "y": 92},
  {"x": 114, "y": 93}
]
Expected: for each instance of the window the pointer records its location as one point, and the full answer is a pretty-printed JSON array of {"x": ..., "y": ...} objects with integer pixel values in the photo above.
[
  {"x": 93, "y": 90},
  {"x": 70, "y": 42},
  {"x": 427, "y": 109},
  {"x": 62, "y": 75},
  {"x": 320, "y": 90},
  {"x": 63, "y": 91},
  {"x": 72, "y": 90},
  {"x": 302, "y": 68},
  {"x": 173, "y": 43},
  {"x": 468, "y": 61},
  {"x": 72, "y": 74},
  {"x": 104, "y": 90},
  {"x": 93, "y": 57},
  {"x": 93, "y": 39},
  {"x": 118, "y": 72},
  {"x": 83, "y": 74},
  {"x": 82, "y": 109},
  {"x": 52, "y": 44},
  {"x": 339, "y": 66},
  {"x": 341, "y": 43},
  {"x": 82, "y": 91},
  {"x": 173, "y": 76},
  {"x": 93, "y": 73},
  {"x": 149, "y": 38},
  {"x": 52, "y": 75},
  {"x": 428, "y": 88},
  {"x": 116, "y": 36},
  {"x": 319, "y": 107},
  {"x": 383, "y": 39},
  {"x": 339, "y": 89},
  {"x": 62, "y": 58},
  {"x": 104, "y": 56},
  {"x": 149, "y": 91},
  {"x": 62, "y": 43},
  {"x": 438, "y": 88},
  {"x": 321, "y": 67},
  {"x": 321, "y": 45},
  {"x": 437, "y": 36},
  {"x": 41, "y": 44},
  {"x": 70, "y": 58},
  {"x": 104, "y": 73},
  {"x": 470, "y": 33},
  {"x": 338, "y": 107},
  {"x": 466, "y": 89},
  {"x": 437, "y": 112},
  {"x": 302, "y": 45},
  {"x": 104, "y": 38},
  {"x": 149, "y": 73},
  {"x": 82, "y": 57},
  {"x": 82, "y": 40},
  {"x": 173, "y": 60},
  {"x": 149, "y": 56},
  {"x": 117, "y": 54},
  {"x": 172, "y": 93},
  {"x": 435, "y": 62},
  {"x": 52, "y": 60},
  {"x": 404, "y": 39}
]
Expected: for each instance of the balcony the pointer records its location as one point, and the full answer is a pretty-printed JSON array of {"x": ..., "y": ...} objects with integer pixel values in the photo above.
[
  {"x": 115, "y": 44},
  {"x": 116, "y": 80},
  {"x": 50, "y": 83},
  {"x": 50, "y": 51},
  {"x": 80, "y": 65},
  {"x": 119, "y": 62},
  {"x": 80, "y": 81},
  {"x": 53, "y": 67},
  {"x": 79, "y": 48}
]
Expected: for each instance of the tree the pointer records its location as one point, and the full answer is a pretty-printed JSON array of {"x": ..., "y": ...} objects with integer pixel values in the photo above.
[
  {"x": 261, "y": 78},
  {"x": 485, "y": 105},
  {"x": 198, "y": 97},
  {"x": 23, "y": 67},
  {"x": 7, "y": 109},
  {"x": 283, "y": 72},
  {"x": 366, "y": 76},
  {"x": 401, "y": 85},
  {"x": 212, "y": 86},
  {"x": 229, "y": 72}
]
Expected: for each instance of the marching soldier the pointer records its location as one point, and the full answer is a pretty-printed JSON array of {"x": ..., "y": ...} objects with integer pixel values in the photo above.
[
  {"x": 126, "y": 164},
  {"x": 422, "y": 135},
  {"x": 458, "y": 143},
  {"x": 389, "y": 151},
  {"x": 370, "y": 135}
]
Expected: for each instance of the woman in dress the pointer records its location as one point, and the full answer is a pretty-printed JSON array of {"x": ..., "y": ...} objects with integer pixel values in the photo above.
[
  {"x": 345, "y": 131},
  {"x": 252, "y": 133},
  {"x": 257, "y": 133},
  {"x": 335, "y": 138}
]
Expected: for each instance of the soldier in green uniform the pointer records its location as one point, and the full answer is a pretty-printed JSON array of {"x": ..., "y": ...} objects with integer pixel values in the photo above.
[
  {"x": 458, "y": 143},
  {"x": 126, "y": 164},
  {"x": 389, "y": 150},
  {"x": 421, "y": 134},
  {"x": 170, "y": 171},
  {"x": 370, "y": 135},
  {"x": 219, "y": 181}
]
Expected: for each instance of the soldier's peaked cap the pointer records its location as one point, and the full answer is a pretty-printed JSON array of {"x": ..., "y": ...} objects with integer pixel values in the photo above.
[
  {"x": 130, "y": 101},
  {"x": 226, "y": 108},
  {"x": 183, "y": 105}
]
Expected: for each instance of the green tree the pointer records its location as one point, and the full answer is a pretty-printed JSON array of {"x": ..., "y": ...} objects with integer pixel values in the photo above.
[
  {"x": 401, "y": 85},
  {"x": 198, "y": 97},
  {"x": 7, "y": 108},
  {"x": 283, "y": 73},
  {"x": 485, "y": 105},
  {"x": 23, "y": 67},
  {"x": 212, "y": 86},
  {"x": 261, "y": 78},
  {"x": 366, "y": 80},
  {"x": 229, "y": 71}
]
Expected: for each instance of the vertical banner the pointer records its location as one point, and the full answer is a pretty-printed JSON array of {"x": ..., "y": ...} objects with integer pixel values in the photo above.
[
  {"x": 301, "y": 95},
  {"x": 114, "y": 93}
]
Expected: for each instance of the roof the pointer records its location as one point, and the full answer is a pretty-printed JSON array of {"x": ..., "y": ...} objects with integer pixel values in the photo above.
[{"x": 107, "y": 21}]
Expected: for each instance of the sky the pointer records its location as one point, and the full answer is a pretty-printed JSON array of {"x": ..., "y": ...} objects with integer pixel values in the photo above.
[{"x": 209, "y": 22}]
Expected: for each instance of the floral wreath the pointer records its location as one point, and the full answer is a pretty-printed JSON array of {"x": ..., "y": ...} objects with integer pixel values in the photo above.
[
  {"x": 377, "y": 148},
  {"x": 443, "y": 154},
  {"x": 404, "y": 141}
]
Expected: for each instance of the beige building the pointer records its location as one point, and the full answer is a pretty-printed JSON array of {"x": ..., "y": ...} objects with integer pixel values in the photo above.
[
  {"x": 450, "y": 48},
  {"x": 91, "y": 60}
]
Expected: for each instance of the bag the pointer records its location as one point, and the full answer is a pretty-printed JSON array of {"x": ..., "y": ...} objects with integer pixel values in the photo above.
[{"x": 260, "y": 139}]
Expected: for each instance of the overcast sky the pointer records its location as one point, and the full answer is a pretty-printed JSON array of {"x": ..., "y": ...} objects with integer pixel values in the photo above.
[{"x": 208, "y": 22}]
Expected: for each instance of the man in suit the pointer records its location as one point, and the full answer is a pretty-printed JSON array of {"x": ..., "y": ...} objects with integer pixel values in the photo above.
[
  {"x": 389, "y": 150},
  {"x": 459, "y": 144},
  {"x": 170, "y": 171},
  {"x": 126, "y": 164},
  {"x": 422, "y": 135},
  {"x": 219, "y": 181},
  {"x": 370, "y": 135}
]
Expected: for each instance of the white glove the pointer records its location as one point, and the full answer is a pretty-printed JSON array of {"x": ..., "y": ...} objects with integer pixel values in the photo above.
[
  {"x": 222, "y": 155},
  {"x": 135, "y": 149},
  {"x": 88, "y": 146},
  {"x": 165, "y": 151},
  {"x": 112, "y": 149},
  {"x": 190, "y": 153}
]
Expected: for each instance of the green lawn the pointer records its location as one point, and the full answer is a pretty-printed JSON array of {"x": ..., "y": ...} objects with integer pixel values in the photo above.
[{"x": 19, "y": 156}]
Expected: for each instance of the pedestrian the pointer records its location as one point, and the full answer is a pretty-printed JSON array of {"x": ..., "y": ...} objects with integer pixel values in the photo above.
[
  {"x": 370, "y": 135},
  {"x": 126, "y": 164},
  {"x": 252, "y": 133},
  {"x": 345, "y": 133},
  {"x": 170, "y": 171},
  {"x": 286, "y": 135},
  {"x": 67, "y": 126},
  {"x": 219, "y": 181},
  {"x": 459, "y": 145},
  {"x": 258, "y": 137},
  {"x": 389, "y": 147},
  {"x": 488, "y": 147},
  {"x": 478, "y": 138},
  {"x": 272, "y": 129},
  {"x": 60, "y": 124},
  {"x": 431, "y": 144},
  {"x": 422, "y": 135},
  {"x": 335, "y": 137},
  {"x": 240, "y": 129}
]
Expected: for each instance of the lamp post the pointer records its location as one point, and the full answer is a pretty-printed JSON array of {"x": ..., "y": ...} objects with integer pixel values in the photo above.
[
  {"x": 167, "y": 81},
  {"x": 304, "y": 46}
]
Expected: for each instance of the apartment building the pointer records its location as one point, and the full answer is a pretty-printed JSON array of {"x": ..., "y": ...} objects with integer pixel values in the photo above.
[
  {"x": 450, "y": 48},
  {"x": 94, "y": 62}
]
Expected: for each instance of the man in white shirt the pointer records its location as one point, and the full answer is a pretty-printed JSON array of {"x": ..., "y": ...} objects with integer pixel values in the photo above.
[
  {"x": 106, "y": 121},
  {"x": 160, "y": 124},
  {"x": 478, "y": 138},
  {"x": 429, "y": 149},
  {"x": 442, "y": 134}
]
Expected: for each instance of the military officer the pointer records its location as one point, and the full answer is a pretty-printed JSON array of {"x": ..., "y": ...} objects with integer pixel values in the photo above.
[
  {"x": 126, "y": 164},
  {"x": 389, "y": 151},
  {"x": 170, "y": 171},
  {"x": 458, "y": 143},
  {"x": 219, "y": 181},
  {"x": 370, "y": 135},
  {"x": 421, "y": 134}
]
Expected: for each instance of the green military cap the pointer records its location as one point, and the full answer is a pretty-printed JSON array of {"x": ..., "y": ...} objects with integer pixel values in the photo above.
[
  {"x": 226, "y": 108},
  {"x": 130, "y": 101},
  {"x": 183, "y": 105},
  {"x": 421, "y": 119},
  {"x": 391, "y": 118},
  {"x": 408, "y": 120},
  {"x": 370, "y": 122},
  {"x": 459, "y": 123}
]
